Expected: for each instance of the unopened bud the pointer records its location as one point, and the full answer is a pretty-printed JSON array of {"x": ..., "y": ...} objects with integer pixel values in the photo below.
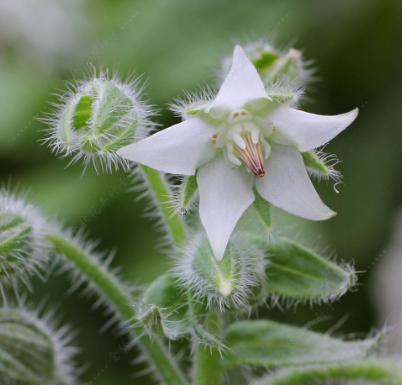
[
  {"x": 23, "y": 250},
  {"x": 32, "y": 352},
  {"x": 274, "y": 65},
  {"x": 98, "y": 117}
]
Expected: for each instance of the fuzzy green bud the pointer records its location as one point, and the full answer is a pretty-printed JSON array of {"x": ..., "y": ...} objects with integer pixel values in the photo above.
[
  {"x": 31, "y": 351},
  {"x": 275, "y": 66},
  {"x": 98, "y": 117},
  {"x": 227, "y": 282},
  {"x": 23, "y": 250}
]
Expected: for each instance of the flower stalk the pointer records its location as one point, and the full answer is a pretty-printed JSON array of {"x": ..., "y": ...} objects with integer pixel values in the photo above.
[
  {"x": 163, "y": 198},
  {"x": 122, "y": 301},
  {"x": 207, "y": 369}
]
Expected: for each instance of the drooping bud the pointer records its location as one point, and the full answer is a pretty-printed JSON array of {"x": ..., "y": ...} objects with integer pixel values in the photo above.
[
  {"x": 32, "y": 351},
  {"x": 97, "y": 117},
  {"x": 23, "y": 249},
  {"x": 227, "y": 282},
  {"x": 163, "y": 308}
]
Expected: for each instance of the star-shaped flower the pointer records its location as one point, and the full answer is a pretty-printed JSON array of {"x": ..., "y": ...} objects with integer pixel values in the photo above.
[{"x": 240, "y": 139}]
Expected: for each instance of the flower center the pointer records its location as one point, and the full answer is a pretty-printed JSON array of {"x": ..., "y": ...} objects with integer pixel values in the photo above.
[{"x": 243, "y": 142}]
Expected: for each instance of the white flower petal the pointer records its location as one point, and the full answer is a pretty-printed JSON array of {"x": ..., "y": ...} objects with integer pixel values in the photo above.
[
  {"x": 307, "y": 131},
  {"x": 287, "y": 185},
  {"x": 224, "y": 195},
  {"x": 179, "y": 149},
  {"x": 241, "y": 85}
]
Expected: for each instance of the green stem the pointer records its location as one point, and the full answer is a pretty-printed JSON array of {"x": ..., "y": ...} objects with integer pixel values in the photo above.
[
  {"x": 365, "y": 370},
  {"x": 163, "y": 198},
  {"x": 207, "y": 369},
  {"x": 114, "y": 291}
]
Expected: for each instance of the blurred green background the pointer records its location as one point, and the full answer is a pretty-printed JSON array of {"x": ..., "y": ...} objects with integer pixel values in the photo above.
[{"x": 357, "y": 48}]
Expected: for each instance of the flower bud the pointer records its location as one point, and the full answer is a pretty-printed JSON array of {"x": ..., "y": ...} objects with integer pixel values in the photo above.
[
  {"x": 228, "y": 282},
  {"x": 23, "y": 250},
  {"x": 32, "y": 351},
  {"x": 274, "y": 66},
  {"x": 97, "y": 117}
]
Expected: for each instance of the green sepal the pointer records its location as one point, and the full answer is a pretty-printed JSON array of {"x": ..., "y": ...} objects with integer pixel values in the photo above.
[
  {"x": 281, "y": 95},
  {"x": 194, "y": 108},
  {"x": 82, "y": 112},
  {"x": 189, "y": 188},
  {"x": 165, "y": 308},
  {"x": 268, "y": 343},
  {"x": 153, "y": 321},
  {"x": 288, "y": 66},
  {"x": 113, "y": 105},
  {"x": 297, "y": 272},
  {"x": 220, "y": 276},
  {"x": 264, "y": 61},
  {"x": 264, "y": 210},
  {"x": 313, "y": 162}
]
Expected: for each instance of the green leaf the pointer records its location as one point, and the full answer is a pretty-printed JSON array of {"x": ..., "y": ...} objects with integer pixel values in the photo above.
[
  {"x": 365, "y": 371},
  {"x": 268, "y": 343},
  {"x": 165, "y": 308},
  {"x": 297, "y": 272},
  {"x": 313, "y": 162},
  {"x": 264, "y": 210}
]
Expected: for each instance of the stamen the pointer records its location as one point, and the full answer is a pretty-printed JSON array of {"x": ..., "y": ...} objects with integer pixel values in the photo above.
[
  {"x": 251, "y": 156},
  {"x": 239, "y": 141},
  {"x": 235, "y": 115},
  {"x": 243, "y": 113}
]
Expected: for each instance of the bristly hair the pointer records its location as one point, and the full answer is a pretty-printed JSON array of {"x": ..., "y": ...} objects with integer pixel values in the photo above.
[
  {"x": 89, "y": 288},
  {"x": 192, "y": 101},
  {"x": 176, "y": 205},
  {"x": 27, "y": 258},
  {"x": 330, "y": 161},
  {"x": 63, "y": 113},
  {"x": 281, "y": 90},
  {"x": 249, "y": 262}
]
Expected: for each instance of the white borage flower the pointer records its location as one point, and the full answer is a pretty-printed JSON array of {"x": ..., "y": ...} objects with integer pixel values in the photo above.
[
  {"x": 96, "y": 117},
  {"x": 240, "y": 139}
]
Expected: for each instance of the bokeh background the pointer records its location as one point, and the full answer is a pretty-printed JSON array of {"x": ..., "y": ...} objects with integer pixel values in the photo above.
[{"x": 357, "y": 50}]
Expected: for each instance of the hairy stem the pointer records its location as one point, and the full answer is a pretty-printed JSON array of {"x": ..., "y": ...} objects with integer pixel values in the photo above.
[
  {"x": 110, "y": 287},
  {"x": 163, "y": 198},
  {"x": 366, "y": 370},
  {"x": 207, "y": 369}
]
